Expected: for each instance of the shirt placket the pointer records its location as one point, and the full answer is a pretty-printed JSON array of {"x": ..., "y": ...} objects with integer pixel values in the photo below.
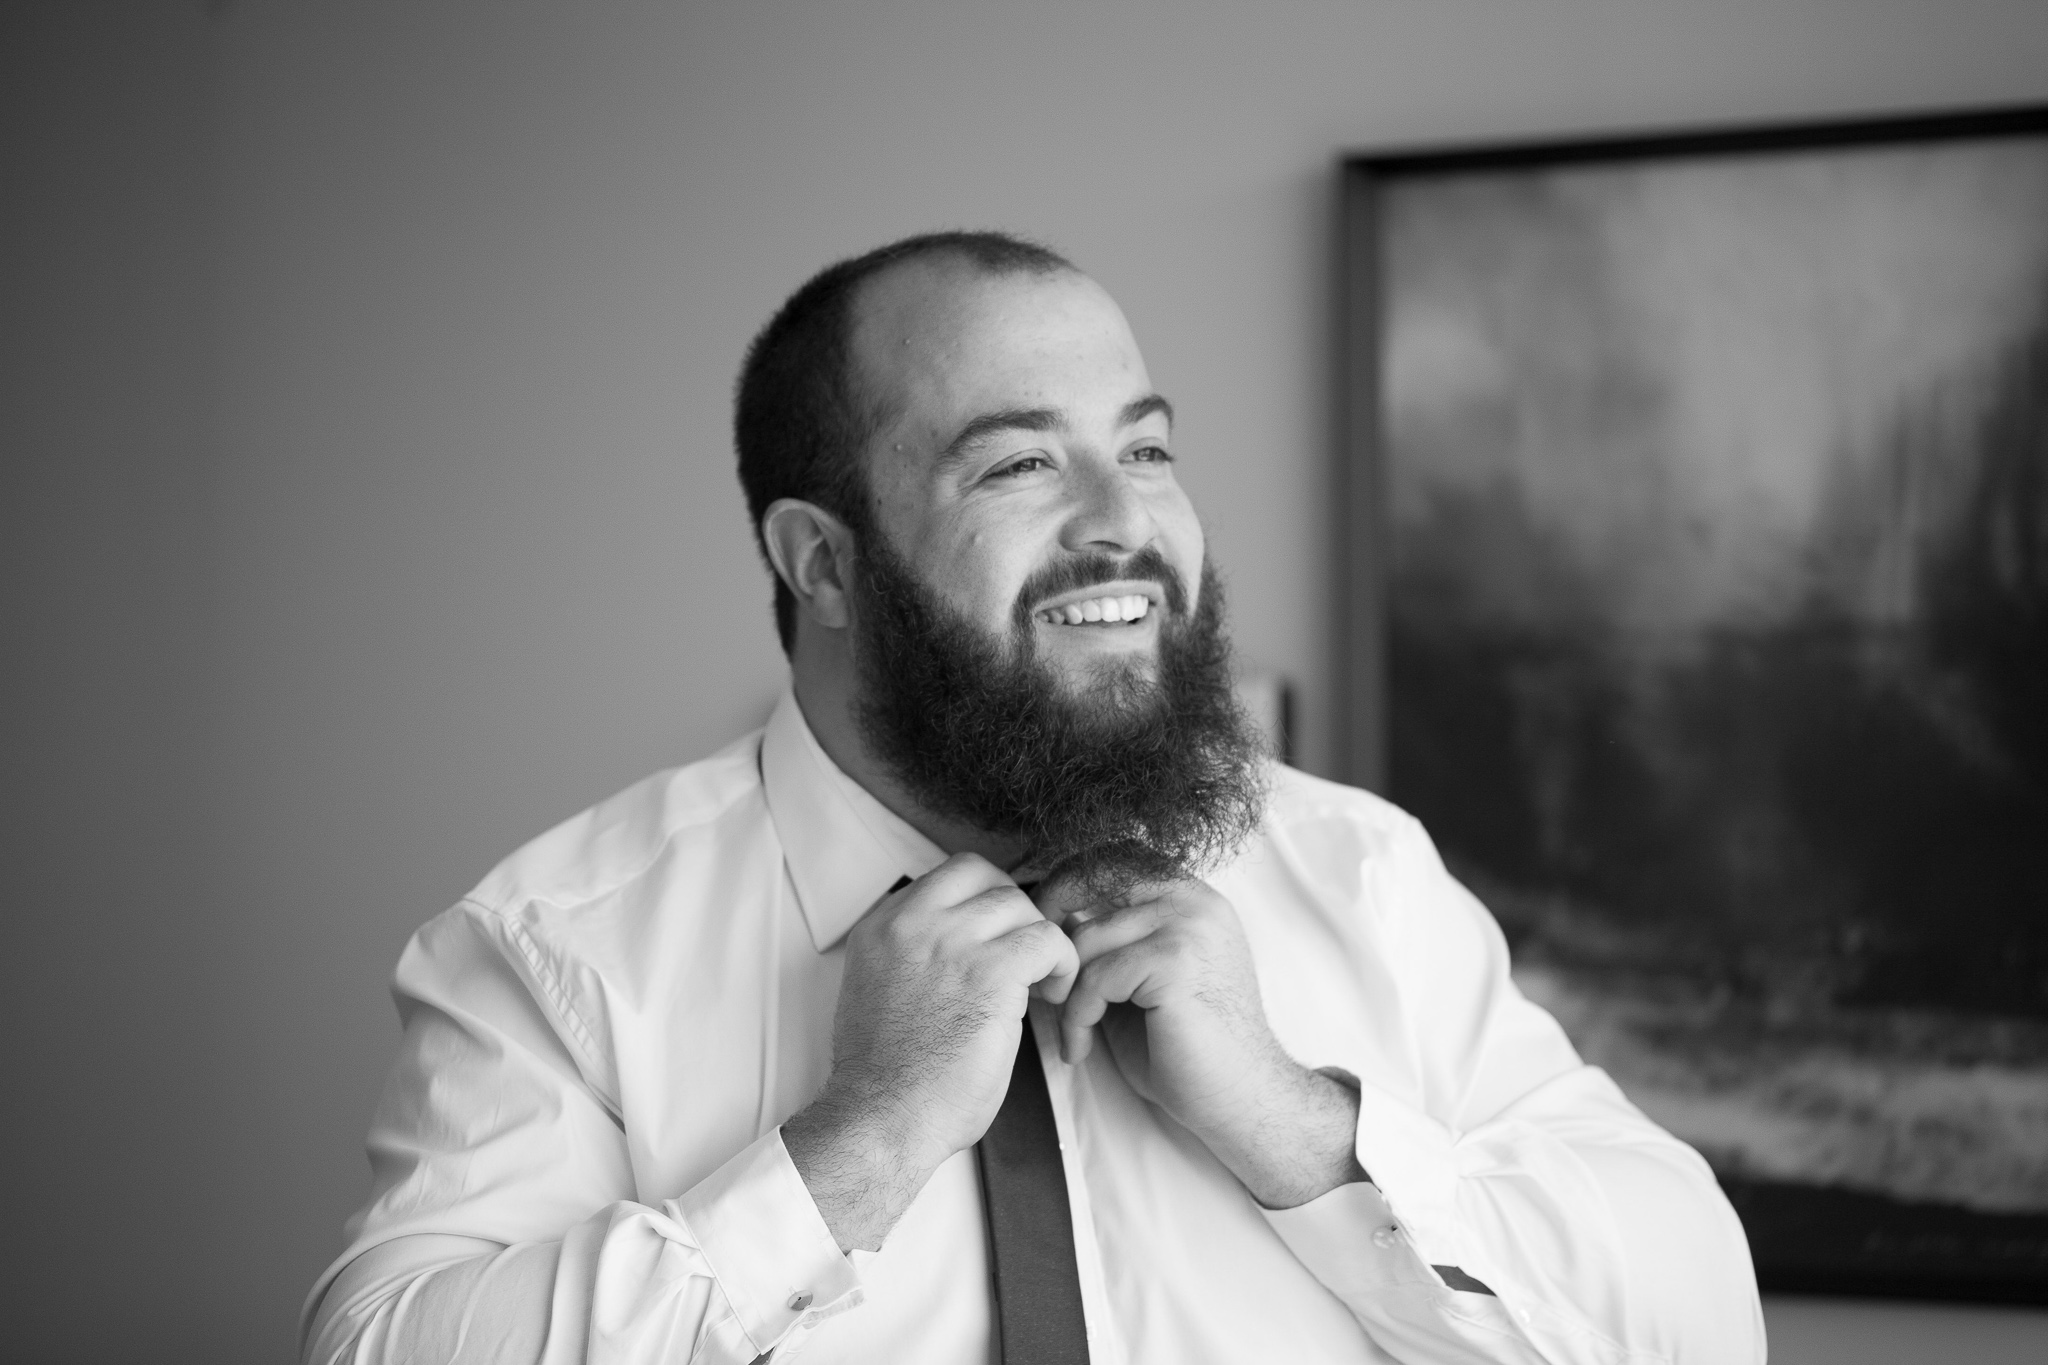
[{"x": 1105, "y": 1342}]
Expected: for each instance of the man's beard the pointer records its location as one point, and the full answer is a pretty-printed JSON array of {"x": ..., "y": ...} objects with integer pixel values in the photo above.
[{"x": 1127, "y": 778}]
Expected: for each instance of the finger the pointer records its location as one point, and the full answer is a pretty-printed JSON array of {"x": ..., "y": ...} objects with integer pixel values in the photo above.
[
  {"x": 1061, "y": 897},
  {"x": 949, "y": 886},
  {"x": 1043, "y": 957},
  {"x": 1111, "y": 979},
  {"x": 1030, "y": 872},
  {"x": 1113, "y": 929},
  {"x": 1164, "y": 895},
  {"x": 1068, "y": 900},
  {"x": 937, "y": 924},
  {"x": 959, "y": 877},
  {"x": 993, "y": 913}
]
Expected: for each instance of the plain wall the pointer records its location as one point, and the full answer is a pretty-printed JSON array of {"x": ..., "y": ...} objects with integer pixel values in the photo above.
[
  {"x": 117, "y": 970},
  {"x": 368, "y": 495}
]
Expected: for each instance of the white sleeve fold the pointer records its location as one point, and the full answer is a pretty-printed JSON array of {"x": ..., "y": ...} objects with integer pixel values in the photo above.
[
  {"x": 1602, "y": 1238},
  {"x": 505, "y": 1226}
]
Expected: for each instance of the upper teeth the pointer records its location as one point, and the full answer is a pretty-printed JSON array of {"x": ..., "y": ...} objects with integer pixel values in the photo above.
[{"x": 1098, "y": 609}]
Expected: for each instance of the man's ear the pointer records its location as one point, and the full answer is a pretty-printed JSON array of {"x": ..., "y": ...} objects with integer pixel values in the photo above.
[{"x": 812, "y": 552}]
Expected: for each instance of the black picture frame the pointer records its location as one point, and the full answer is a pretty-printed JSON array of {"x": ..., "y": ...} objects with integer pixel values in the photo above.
[{"x": 1591, "y": 755}]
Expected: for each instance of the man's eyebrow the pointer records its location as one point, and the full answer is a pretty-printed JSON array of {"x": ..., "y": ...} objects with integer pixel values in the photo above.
[
  {"x": 1039, "y": 419},
  {"x": 1138, "y": 409},
  {"x": 989, "y": 423}
]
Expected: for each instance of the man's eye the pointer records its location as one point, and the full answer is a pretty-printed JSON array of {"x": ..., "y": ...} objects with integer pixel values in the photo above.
[
  {"x": 1025, "y": 465},
  {"x": 1153, "y": 455}
]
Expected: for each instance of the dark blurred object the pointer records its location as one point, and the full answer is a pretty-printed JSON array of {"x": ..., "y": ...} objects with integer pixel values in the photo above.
[{"x": 1702, "y": 486}]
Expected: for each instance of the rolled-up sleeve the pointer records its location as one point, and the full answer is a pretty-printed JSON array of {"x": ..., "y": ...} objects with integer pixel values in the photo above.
[
  {"x": 1597, "y": 1236},
  {"x": 505, "y": 1225}
]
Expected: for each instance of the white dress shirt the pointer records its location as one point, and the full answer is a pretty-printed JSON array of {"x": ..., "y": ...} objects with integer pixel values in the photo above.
[{"x": 578, "y": 1155}]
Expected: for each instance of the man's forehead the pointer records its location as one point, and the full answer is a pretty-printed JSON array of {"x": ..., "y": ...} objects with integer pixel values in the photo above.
[{"x": 935, "y": 333}]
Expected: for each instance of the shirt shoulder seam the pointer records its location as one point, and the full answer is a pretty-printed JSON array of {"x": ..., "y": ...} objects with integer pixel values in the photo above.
[
  {"x": 555, "y": 996},
  {"x": 520, "y": 936},
  {"x": 502, "y": 907}
]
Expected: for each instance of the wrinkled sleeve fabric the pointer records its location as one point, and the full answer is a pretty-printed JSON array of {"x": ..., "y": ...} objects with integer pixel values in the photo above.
[
  {"x": 1603, "y": 1238},
  {"x": 505, "y": 1225}
]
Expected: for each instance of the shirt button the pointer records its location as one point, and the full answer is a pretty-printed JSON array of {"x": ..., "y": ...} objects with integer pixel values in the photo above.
[
  {"x": 1385, "y": 1237},
  {"x": 799, "y": 1301}
]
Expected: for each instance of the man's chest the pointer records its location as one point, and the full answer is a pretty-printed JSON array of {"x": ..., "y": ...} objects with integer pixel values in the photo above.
[{"x": 721, "y": 1040}]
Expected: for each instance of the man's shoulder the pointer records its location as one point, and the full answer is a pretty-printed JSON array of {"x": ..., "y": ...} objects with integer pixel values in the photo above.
[
  {"x": 1333, "y": 837},
  {"x": 1347, "y": 848},
  {"x": 595, "y": 853},
  {"x": 1300, "y": 802}
]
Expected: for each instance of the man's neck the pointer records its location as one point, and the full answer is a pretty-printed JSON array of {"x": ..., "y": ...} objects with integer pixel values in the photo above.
[{"x": 825, "y": 691}]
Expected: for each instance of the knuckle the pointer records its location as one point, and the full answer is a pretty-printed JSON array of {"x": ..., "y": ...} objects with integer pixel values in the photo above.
[
  {"x": 971, "y": 866},
  {"x": 947, "y": 874},
  {"x": 913, "y": 941},
  {"x": 994, "y": 898},
  {"x": 1038, "y": 937},
  {"x": 873, "y": 938},
  {"x": 1025, "y": 945}
]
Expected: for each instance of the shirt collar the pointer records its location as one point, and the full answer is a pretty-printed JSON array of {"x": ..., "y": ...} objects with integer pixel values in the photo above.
[{"x": 844, "y": 849}]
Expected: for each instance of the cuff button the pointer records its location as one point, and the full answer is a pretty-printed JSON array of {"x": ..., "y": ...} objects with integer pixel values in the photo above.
[
  {"x": 799, "y": 1301},
  {"x": 1384, "y": 1238}
]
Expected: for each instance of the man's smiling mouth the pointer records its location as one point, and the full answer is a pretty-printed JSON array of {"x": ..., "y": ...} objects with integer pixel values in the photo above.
[{"x": 1098, "y": 611}]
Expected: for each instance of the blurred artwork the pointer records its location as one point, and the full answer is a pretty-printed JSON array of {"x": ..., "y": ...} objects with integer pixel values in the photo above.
[{"x": 1717, "y": 653}]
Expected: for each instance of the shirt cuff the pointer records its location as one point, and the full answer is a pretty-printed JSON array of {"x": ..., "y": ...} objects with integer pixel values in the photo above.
[
  {"x": 1350, "y": 1240},
  {"x": 1411, "y": 1158},
  {"x": 760, "y": 1230}
]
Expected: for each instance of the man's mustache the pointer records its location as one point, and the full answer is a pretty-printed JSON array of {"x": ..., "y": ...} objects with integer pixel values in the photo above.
[{"x": 1087, "y": 571}]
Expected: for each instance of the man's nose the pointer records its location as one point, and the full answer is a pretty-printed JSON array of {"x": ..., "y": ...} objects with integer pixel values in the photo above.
[{"x": 1109, "y": 513}]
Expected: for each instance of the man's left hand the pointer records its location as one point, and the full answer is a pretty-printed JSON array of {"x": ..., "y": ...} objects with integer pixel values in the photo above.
[{"x": 1167, "y": 975}]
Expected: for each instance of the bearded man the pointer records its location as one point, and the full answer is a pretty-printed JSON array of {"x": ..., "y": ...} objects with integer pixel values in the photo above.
[{"x": 999, "y": 1000}]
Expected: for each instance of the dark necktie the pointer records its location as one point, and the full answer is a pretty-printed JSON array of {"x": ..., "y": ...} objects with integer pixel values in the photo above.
[{"x": 1030, "y": 1228}]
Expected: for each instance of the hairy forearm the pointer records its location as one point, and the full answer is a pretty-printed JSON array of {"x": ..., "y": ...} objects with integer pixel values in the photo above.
[
  {"x": 1297, "y": 1143},
  {"x": 861, "y": 1170}
]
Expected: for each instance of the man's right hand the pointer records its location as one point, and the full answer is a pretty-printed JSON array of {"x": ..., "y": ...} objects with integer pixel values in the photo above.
[{"x": 930, "y": 1011}]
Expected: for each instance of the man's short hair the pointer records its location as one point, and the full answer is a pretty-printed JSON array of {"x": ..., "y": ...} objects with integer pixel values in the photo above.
[{"x": 800, "y": 419}]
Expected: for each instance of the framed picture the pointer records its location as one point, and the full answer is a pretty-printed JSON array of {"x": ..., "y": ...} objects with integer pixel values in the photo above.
[{"x": 1697, "y": 602}]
